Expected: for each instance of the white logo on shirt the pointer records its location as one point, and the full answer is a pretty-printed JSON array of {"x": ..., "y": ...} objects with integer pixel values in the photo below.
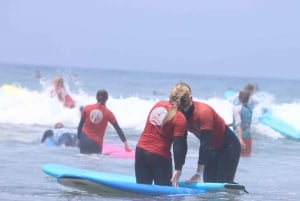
[
  {"x": 96, "y": 116},
  {"x": 158, "y": 115}
]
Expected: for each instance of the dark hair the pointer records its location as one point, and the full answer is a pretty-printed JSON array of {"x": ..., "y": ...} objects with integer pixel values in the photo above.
[
  {"x": 188, "y": 86},
  {"x": 47, "y": 133},
  {"x": 102, "y": 96},
  {"x": 251, "y": 87},
  {"x": 244, "y": 96}
]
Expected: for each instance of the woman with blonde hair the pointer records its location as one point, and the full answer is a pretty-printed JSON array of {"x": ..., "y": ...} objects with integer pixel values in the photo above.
[{"x": 165, "y": 125}]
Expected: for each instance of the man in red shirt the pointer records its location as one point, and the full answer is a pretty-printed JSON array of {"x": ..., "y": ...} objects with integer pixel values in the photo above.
[{"x": 219, "y": 150}]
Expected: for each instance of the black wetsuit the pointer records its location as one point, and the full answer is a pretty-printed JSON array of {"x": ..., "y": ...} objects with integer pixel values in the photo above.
[
  {"x": 221, "y": 164},
  {"x": 151, "y": 167}
]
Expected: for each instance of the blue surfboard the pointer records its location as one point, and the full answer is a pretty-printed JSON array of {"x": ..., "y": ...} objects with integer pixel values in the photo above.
[
  {"x": 280, "y": 126},
  {"x": 229, "y": 94},
  {"x": 122, "y": 185},
  {"x": 49, "y": 142}
]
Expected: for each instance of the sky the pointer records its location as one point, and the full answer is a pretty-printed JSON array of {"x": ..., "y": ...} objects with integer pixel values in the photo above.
[{"x": 258, "y": 38}]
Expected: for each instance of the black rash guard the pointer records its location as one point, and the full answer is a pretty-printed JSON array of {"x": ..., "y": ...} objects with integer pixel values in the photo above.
[
  {"x": 79, "y": 129},
  {"x": 204, "y": 147},
  {"x": 179, "y": 151},
  {"x": 119, "y": 131}
]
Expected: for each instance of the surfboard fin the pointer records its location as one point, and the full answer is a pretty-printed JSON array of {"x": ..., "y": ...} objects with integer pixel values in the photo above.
[{"x": 236, "y": 186}]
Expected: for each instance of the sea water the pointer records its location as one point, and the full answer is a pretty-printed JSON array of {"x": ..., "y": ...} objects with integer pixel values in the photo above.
[{"x": 271, "y": 173}]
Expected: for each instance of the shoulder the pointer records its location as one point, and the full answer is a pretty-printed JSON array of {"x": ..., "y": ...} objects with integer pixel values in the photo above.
[
  {"x": 162, "y": 103},
  {"x": 203, "y": 107},
  {"x": 103, "y": 108},
  {"x": 199, "y": 104},
  {"x": 95, "y": 106},
  {"x": 179, "y": 119},
  {"x": 180, "y": 115},
  {"x": 165, "y": 104},
  {"x": 88, "y": 107},
  {"x": 237, "y": 108}
]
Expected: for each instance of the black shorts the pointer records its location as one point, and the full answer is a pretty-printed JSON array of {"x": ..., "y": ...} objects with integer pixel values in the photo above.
[
  {"x": 222, "y": 164},
  {"x": 88, "y": 146}
]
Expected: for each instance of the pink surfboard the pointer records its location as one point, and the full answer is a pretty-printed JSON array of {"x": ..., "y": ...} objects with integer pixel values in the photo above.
[{"x": 117, "y": 151}]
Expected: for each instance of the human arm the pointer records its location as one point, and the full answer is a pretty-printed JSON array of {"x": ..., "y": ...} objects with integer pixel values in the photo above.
[
  {"x": 240, "y": 132},
  {"x": 46, "y": 134},
  {"x": 179, "y": 152},
  {"x": 79, "y": 128},
  {"x": 203, "y": 155},
  {"x": 237, "y": 110},
  {"x": 121, "y": 135},
  {"x": 197, "y": 176}
]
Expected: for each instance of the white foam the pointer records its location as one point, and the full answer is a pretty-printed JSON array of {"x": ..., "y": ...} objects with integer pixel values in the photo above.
[{"x": 37, "y": 107}]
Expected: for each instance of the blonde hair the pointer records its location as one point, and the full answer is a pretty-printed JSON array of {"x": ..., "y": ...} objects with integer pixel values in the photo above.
[{"x": 179, "y": 96}]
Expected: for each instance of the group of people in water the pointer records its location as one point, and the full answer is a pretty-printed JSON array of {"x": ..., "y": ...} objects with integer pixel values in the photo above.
[{"x": 163, "y": 140}]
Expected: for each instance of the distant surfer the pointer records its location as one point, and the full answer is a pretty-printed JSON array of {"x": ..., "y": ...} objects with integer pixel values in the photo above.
[
  {"x": 242, "y": 117},
  {"x": 37, "y": 74},
  {"x": 156, "y": 93},
  {"x": 59, "y": 136},
  {"x": 243, "y": 106},
  {"x": 61, "y": 92}
]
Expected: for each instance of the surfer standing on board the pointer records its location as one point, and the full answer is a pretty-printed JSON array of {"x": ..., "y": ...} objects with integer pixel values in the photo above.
[
  {"x": 165, "y": 125},
  {"x": 61, "y": 92},
  {"x": 219, "y": 150},
  {"x": 93, "y": 123}
]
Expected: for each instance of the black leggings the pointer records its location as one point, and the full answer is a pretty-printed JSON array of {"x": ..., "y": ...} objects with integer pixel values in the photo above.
[
  {"x": 222, "y": 164},
  {"x": 151, "y": 167},
  {"x": 88, "y": 146}
]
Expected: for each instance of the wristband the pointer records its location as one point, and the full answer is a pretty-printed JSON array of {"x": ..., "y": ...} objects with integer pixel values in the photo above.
[{"x": 198, "y": 173}]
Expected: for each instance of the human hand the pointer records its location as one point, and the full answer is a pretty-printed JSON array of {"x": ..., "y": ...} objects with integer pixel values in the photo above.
[
  {"x": 175, "y": 178},
  {"x": 127, "y": 148},
  {"x": 195, "y": 178},
  {"x": 243, "y": 145}
]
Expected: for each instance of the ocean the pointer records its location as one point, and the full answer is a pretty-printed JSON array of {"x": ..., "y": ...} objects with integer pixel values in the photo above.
[{"x": 269, "y": 174}]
